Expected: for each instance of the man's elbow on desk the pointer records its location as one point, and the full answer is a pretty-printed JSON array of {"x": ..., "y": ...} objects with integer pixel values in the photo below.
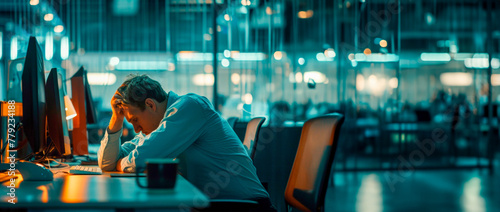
[
  {"x": 110, "y": 166},
  {"x": 121, "y": 168},
  {"x": 119, "y": 165}
]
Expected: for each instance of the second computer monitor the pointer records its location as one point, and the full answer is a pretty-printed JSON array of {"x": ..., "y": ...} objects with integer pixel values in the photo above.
[{"x": 56, "y": 114}]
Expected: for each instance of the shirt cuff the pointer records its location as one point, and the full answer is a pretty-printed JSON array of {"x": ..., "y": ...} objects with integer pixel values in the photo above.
[{"x": 115, "y": 135}]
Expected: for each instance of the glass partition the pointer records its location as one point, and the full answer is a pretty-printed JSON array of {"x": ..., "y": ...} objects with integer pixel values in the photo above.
[{"x": 412, "y": 77}]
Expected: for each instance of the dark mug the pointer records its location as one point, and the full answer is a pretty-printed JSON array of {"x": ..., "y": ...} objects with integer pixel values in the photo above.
[{"x": 160, "y": 173}]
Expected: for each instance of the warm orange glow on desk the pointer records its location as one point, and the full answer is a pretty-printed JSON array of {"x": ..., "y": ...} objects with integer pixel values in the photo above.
[
  {"x": 45, "y": 193},
  {"x": 74, "y": 189},
  {"x": 18, "y": 180}
]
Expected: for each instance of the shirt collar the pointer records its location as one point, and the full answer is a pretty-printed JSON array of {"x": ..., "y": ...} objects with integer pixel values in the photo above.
[{"x": 172, "y": 98}]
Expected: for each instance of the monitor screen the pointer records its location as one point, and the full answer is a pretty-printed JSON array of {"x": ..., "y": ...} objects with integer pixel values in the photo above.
[
  {"x": 80, "y": 85},
  {"x": 33, "y": 88},
  {"x": 89, "y": 101},
  {"x": 56, "y": 114},
  {"x": 84, "y": 106}
]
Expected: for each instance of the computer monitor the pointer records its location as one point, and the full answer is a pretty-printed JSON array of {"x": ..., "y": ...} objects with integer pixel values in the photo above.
[
  {"x": 89, "y": 101},
  {"x": 84, "y": 107},
  {"x": 56, "y": 114},
  {"x": 33, "y": 88}
]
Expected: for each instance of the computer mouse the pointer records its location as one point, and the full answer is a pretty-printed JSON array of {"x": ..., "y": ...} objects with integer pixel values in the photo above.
[{"x": 33, "y": 172}]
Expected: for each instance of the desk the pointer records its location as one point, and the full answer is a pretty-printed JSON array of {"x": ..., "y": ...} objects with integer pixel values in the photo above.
[{"x": 101, "y": 191}]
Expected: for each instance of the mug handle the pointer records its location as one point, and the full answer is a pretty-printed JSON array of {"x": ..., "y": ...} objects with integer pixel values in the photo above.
[{"x": 137, "y": 171}]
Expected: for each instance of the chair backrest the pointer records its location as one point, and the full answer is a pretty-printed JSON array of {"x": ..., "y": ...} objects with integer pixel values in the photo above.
[
  {"x": 232, "y": 121},
  {"x": 308, "y": 179},
  {"x": 252, "y": 135}
]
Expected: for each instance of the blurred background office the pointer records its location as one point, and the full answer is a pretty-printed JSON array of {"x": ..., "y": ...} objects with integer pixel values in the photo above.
[{"x": 417, "y": 80}]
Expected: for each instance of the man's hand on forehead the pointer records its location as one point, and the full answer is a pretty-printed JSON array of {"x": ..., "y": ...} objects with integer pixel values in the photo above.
[
  {"x": 116, "y": 122},
  {"x": 118, "y": 103},
  {"x": 118, "y": 95},
  {"x": 122, "y": 105}
]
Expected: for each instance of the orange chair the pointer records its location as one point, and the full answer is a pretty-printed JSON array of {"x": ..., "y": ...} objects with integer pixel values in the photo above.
[
  {"x": 308, "y": 181},
  {"x": 252, "y": 135}
]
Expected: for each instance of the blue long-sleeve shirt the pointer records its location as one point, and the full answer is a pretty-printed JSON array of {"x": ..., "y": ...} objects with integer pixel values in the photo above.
[{"x": 210, "y": 154}]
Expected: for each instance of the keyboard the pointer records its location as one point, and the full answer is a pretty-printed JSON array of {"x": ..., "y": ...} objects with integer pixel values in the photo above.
[{"x": 85, "y": 170}]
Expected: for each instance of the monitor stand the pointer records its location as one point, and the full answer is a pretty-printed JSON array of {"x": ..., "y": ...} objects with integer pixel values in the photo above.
[
  {"x": 67, "y": 158},
  {"x": 34, "y": 157}
]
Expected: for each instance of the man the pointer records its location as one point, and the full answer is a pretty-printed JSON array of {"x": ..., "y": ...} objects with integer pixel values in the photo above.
[{"x": 210, "y": 154}]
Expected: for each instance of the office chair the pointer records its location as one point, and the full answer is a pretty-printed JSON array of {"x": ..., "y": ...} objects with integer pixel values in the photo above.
[
  {"x": 250, "y": 141},
  {"x": 252, "y": 135},
  {"x": 308, "y": 181},
  {"x": 232, "y": 121}
]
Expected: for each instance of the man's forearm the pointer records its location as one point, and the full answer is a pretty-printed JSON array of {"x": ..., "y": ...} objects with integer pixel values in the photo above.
[
  {"x": 109, "y": 152},
  {"x": 115, "y": 124}
]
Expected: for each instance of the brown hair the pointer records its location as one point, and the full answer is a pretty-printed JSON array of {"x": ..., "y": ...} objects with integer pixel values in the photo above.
[{"x": 137, "y": 88}]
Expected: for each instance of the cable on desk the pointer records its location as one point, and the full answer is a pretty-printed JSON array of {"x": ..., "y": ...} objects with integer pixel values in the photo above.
[
  {"x": 58, "y": 167},
  {"x": 58, "y": 163}
]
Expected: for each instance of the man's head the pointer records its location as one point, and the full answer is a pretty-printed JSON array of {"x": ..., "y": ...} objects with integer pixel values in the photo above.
[{"x": 144, "y": 102}]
